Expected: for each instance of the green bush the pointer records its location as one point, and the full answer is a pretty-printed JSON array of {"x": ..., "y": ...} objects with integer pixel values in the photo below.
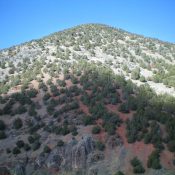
[
  {"x": 135, "y": 162},
  {"x": 32, "y": 111},
  {"x": 12, "y": 70},
  {"x": 8, "y": 107},
  {"x": 21, "y": 109},
  {"x": 32, "y": 93},
  {"x": 54, "y": 90},
  {"x": 2, "y": 125},
  {"x": 124, "y": 108},
  {"x": 153, "y": 160},
  {"x": 137, "y": 166},
  {"x": 142, "y": 79},
  {"x": 17, "y": 123},
  {"x": 27, "y": 147},
  {"x": 110, "y": 128},
  {"x": 2, "y": 135},
  {"x": 60, "y": 143},
  {"x": 74, "y": 131},
  {"x": 16, "y": 150},
  {"x": 46, "y": 96},
  {"x": 139, "y": 169},
  {"x": 135, "y": 74},
  {"x": 20, "y": 143},
  {"x": 88, "y": 120},
  {"x": 171, "y": 145},
  {"x": 31, "y": 139},
  {"x": 61, "y": 83},
  {"x": 96, "y": 130},
  {"x": 46, "y": 149},
  {"x": 36, "y": 145},
  {"x": 100, "y": 146},
  {"x": 65, "y": 130}
]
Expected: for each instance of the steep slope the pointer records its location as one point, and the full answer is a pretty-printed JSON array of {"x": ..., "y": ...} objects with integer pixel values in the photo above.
[
  {"x": 137, "y": 58},
  {"x": 69, "y": 103}
]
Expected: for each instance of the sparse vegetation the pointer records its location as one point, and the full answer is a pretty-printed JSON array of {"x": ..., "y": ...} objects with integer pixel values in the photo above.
[{"x": 63, "y": 87}]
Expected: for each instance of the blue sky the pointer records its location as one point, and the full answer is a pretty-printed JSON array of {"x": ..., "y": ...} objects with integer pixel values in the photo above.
[{"x": 24, "y": 20}]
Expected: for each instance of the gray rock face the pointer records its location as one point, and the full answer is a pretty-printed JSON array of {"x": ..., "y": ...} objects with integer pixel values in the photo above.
[
  {"x": 95, "y": 157},
  {"x": 75, "y": 154},
  {"x": 19, "y": 170},
  {"x": 72, "y": 156},
  {"x": 81, "y": 151},
  {"x": 40, "y": 161},
  {"x": 54, "y": 160}
]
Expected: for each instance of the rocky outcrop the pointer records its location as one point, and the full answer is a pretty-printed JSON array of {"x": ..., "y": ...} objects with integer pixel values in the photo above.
[
  {"x": 19, "y": 169},
  {"x": 81, "y": 151},
  {"x": 73, "y": 156},
  {"x": 95, "y": 157},
  {"x": 54, "y": 160}
]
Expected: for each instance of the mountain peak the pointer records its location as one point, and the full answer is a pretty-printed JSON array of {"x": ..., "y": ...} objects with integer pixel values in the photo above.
[{"x": 85, "y": 99}]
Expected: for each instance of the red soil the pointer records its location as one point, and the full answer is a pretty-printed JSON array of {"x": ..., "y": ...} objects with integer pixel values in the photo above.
[
  {"x": 99, "y": 122},
  {"x": 126, "y": 116},
  {"x": 139, "y": 149},
  {"x": 101, "y": 136},
  {"x": 68, "y": 83},
  {"x": 112, "y": 108},
  {"x": 84, "y": 108},
  {"x": 34, "y": 84},
  {"x": 61, "y": 77},
  {"x": 123, "y": 117},
  {"x": 89, "y": 92},
  {"x": 166, "y": 158},
  {"x": 14, "y": 90}
]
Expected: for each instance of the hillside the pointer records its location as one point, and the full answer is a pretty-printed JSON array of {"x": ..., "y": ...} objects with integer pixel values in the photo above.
[{"x": 88, "y": 100}]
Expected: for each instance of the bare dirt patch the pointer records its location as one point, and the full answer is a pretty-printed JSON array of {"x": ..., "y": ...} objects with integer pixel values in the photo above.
[{"x": 139, "y": 149}]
